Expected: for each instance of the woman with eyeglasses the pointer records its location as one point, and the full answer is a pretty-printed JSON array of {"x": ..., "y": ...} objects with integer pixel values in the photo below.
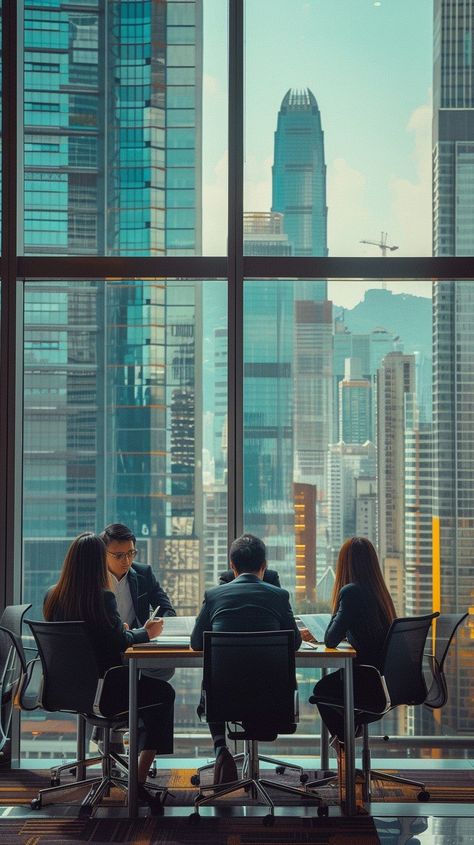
[
  {"x": 362, "y": 613},
  {"x": 83, "y": 593}
]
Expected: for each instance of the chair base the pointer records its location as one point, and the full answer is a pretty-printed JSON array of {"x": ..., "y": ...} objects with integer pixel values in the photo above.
[
  {"x": 98, "y": 786},
  {"x": 243, "y": 757},
  {"x": 255, "y": 784},
  {"x": 258, "y": 788}
]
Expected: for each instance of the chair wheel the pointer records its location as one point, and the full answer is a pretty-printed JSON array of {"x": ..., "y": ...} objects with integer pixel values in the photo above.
[
  {"x": 323, "y": 810},
  {"x": 423, "y": 795},
  {"x": 280, "y": 770},
  {"x": 304, "y": 778},
  {"x": 152, "y": 773},
  {"x": 195, "y": 780},
  {"x": 268, "y": 820},
  {"x": 194, "y": 818},
  {"x": 55, "y": 781},
  {"x": 36, "y": 804}
]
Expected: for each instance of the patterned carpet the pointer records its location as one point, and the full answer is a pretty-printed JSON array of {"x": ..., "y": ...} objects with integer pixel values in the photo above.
[
  {"x": 178, "y": 831},
  {"x": 18, "y": 787}
]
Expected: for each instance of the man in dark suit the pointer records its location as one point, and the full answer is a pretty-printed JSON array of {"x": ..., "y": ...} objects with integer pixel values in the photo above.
[
  {"x": 270, "y": 577},
  {"x": 136, "y": 589},
  {"x": 247, "y": 603}
]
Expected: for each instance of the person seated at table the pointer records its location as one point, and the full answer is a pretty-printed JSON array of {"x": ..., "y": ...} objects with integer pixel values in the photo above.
[
  {"x": 83, "y": 593},
  {"x": 247, "y": 603},
  {"x": 362, "y": 613},
  {"x": 270, "y": 576}
]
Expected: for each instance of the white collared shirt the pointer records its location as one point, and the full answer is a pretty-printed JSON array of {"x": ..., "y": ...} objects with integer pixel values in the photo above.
[{"x": 124, "y": 599}]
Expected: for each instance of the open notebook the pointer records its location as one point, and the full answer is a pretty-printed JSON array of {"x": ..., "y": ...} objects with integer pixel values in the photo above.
[{"x": 176, "y": 633}]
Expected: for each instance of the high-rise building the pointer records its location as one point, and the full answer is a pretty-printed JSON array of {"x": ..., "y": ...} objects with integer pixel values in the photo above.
[
  {"x": 299, "y": 173},
  {"x": 418, "y": 511},
  {"x": 112, "y": 164},
  {"x": 313, "y": 358},
  {"x": 354, "y": 404},
  {"x": 396, "y": 378},
  {"x": 347, "y": 463},
  {"x": 453, "y": 344}
]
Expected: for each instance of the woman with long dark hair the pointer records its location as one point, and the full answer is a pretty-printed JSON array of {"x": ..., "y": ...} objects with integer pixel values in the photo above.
[
  {"x": 362, "y": 613},
  {"x": 83, "y": 594}
]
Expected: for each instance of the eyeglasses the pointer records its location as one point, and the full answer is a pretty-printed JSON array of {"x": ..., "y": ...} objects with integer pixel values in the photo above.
[{"x": 122, "y": 555}]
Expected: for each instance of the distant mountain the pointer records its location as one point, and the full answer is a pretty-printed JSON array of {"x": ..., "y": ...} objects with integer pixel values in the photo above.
[{"x": 404, "y": 315}]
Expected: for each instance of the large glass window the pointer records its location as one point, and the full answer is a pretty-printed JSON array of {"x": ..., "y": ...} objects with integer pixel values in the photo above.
[
  {"x": 122, "y": 103},
  {"x": 338, "y": 132},
  {"x": 304, "y": 399},
  {"x": 125, "y": 420}
]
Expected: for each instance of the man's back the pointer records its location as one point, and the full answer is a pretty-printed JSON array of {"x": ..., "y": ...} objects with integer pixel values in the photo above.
[{"x": 245, "y": 604}]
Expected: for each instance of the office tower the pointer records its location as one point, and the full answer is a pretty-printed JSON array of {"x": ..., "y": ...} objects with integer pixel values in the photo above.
[
  {"x": 347, "y": 463},
  {"x": 354, "y": 404},
  {"x": 366, "y": 508},
  {"x": 396, "y": 378},
  {"x": 305, "y": 545},
  {"x": 453, "y": 344},
  {"x": 313, "y": 357},
  {"x": 215, "y": 547},
  {"x": 112, "y": 166},
  {"x": 299, "y": 173},
  {"x": 418, "y": 510},
  {"x": 220, "y": 404}
]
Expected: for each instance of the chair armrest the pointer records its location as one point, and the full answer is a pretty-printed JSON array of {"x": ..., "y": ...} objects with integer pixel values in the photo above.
[
  {"x": 30, "y": 686},
  {"x": 297, "y": 706},
  {"x": 96, "y": 707}
]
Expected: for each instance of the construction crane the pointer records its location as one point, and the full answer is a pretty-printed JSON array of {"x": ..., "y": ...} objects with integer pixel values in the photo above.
[{"x": 383, "y": 246}]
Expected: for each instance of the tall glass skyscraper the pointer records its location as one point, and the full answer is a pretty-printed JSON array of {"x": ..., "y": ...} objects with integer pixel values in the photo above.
[
  {"x": 453, "y": 342},
  {"x": 112, "y": 165},
  {"x": 299, "y": 173}
]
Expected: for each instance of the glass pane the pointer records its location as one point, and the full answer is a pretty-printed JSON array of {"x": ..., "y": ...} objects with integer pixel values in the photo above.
[
  {"x": 125, "y": 420},
  {"x": 116, "y": 117},
  {"x": 339, "y": 151},
  {"x": 358, "y": 421}
]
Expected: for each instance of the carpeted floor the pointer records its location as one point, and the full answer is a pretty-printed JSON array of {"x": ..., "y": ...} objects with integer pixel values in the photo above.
[
  {"x": 178, "y": 831},
  {"x": 18, "y": 787}
]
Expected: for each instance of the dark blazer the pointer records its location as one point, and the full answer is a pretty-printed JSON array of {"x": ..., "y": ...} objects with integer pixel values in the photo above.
[
  {"x": 146, "y": 593},
  {"x": 270, "y": 576},
  {"x": 245, "y": 604},
  {"x": 110, "y": 640},
  {"x": 357, "y": 619}
]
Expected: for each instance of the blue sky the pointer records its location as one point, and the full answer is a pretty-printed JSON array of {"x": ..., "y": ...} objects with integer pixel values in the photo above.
[{"x": 370, "y": 68}]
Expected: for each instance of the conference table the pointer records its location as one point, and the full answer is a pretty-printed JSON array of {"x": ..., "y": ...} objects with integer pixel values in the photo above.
[{"x": 308, "y": 656}]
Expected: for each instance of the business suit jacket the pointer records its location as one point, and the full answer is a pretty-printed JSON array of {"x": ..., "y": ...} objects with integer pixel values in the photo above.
[
  {"x": 245, "y": 604},
  {"x": 147, "y": 593},
  {"x": 270, "y": 576}
]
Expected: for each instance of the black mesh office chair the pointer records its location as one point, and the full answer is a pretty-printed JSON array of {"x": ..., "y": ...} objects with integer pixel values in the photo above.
[
  {"x": 12, "y": 663},
  {"x": 249, "y": 680},
  {"x": 401, "y": 681},
  {"x": 72, "y": 684},
  {"x": 446, "y": 627}
]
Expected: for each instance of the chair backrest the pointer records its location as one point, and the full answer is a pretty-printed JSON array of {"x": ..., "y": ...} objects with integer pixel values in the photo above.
[
  {"x": 70, "y": 670},
  {"x": 249, "y": 677},
  {"x": 12, "y": 662},
  {"x": 403, "y": 659},
  {"x": 447, "y": 625}
]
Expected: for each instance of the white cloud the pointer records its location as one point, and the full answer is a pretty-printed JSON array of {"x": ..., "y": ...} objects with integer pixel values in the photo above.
[
  {"x": 348, "y": 213},
  {"x": 214, "y": 210},
  {"x": 411, "y": 199}
]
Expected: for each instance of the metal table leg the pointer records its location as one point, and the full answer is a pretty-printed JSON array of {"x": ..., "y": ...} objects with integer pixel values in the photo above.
[
  {"x": 81, "y": 747},
  {"x": 133, "y": 740},
  {"x": 349, "y": 733}
]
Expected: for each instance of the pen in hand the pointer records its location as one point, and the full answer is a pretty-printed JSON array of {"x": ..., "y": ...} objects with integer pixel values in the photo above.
[{"x": 155, "y": 612}]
